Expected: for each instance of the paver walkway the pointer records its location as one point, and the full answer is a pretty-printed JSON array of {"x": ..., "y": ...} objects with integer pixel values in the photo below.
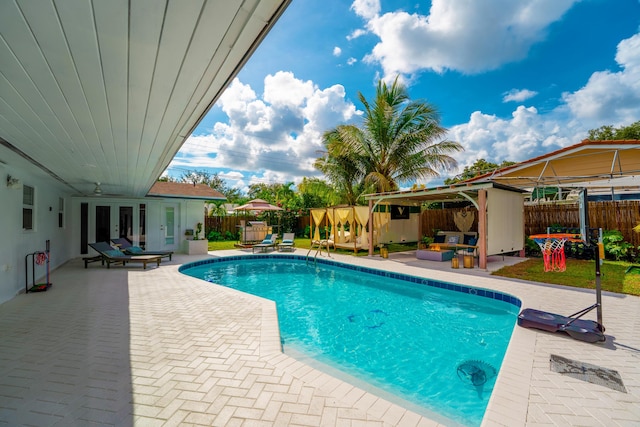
[{"x": 127, "y": 346}]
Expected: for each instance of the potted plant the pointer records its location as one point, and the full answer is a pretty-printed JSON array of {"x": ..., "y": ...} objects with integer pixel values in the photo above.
[
  {"x": 197, "y": 246},
  {"x": 425, "y": 242}
]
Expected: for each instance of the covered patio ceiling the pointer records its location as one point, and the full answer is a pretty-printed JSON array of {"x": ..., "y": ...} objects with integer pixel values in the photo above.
[{"x": 108, "y": 91}]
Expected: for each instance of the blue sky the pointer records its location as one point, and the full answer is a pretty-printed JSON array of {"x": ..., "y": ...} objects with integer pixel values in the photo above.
[{"x": 512, "y": 80}]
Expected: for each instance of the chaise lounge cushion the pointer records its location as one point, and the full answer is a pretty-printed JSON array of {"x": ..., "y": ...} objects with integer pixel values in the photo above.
[{"x": 114, "y": 253}]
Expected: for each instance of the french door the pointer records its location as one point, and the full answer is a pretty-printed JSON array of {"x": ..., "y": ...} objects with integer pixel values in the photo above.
[
  {"x": 115, "y": 221},
  {"x": 169, "y": 226}
]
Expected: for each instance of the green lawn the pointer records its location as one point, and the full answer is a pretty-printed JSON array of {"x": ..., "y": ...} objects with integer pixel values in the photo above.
[{"x": 579, "y": 273}]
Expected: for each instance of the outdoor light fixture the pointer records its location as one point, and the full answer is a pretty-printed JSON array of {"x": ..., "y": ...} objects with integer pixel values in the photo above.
[{"x": 13, "y": 182}]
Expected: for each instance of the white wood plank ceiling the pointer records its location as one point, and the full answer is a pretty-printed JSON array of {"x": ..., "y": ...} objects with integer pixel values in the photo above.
[{"x": 108, "y": 91}]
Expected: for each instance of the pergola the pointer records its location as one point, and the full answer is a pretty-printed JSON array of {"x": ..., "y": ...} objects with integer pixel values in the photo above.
[{"x": 500, "y": 222}]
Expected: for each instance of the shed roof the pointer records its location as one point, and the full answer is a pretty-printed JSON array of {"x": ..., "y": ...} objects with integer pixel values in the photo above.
[
  {"x": 460, "y": 191},
  {"x": 183, "y": 190}
]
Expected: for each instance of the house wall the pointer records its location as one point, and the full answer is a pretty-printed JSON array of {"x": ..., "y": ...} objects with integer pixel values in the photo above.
[
  {"x": 16, "y": 243},
  {"x": 187, "y": 214}
]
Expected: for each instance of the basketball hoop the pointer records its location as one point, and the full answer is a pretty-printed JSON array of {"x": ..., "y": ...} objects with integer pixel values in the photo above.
[{"x": 552, "y": 247}]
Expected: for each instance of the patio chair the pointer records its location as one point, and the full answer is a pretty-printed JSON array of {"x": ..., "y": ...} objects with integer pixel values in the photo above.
[
  {"x": 129, "y": 249},
  {"x": 269, "y": 241},
  {"x": 288, "y": 243},
  {"x": 115, "y": 256}
]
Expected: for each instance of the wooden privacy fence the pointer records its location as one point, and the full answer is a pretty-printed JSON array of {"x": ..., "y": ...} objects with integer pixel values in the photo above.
[
  {"x": 231, "y": 223},
  {"x": 617, "y": 215}
]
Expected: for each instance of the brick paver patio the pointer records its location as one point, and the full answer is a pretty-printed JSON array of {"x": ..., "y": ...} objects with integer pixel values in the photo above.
[{"x": 127, "y": 346}]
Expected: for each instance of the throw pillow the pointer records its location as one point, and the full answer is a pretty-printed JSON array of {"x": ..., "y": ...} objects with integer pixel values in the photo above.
[
  {"x": 467, "y": 239},
  {"x": 453, "y": 240},
  {"x": 472, "y": 242},
  {"x": 439, "y": 238}
]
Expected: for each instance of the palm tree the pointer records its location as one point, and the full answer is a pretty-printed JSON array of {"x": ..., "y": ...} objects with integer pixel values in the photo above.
[
  {"x": 400, "y": 140},
  {"x": 341, "y": 168}
]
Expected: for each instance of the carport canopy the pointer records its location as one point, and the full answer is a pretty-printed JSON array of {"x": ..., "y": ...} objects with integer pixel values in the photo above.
[{"x": 588, "y": 164}]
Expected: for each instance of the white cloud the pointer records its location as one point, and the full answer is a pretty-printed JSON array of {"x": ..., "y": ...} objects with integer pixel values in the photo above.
[
  {"x": 337, "y": 51},
  {"x": 366, "y": 8},
  {"x": 518, "y": 95},
  {"x": 466, "y": 35},
  {"x": 356, "y": 33},
  {"x": 608, "y": 98},
  {"x": 611, "y": 97},
  {"x": 351, "y": 61},
  {"x": 525, "y": 135},
  {"x": 273, "y": 139}
]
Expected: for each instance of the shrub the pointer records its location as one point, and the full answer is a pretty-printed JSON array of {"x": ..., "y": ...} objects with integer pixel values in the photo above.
[
  {"x": 615, "y": 247},
  {"x": 214, "y": 236},
  {"x": 531, "y": 248}
]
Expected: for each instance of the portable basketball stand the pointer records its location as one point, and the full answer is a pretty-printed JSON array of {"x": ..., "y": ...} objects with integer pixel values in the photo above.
[{"x": 573, "y": 325}]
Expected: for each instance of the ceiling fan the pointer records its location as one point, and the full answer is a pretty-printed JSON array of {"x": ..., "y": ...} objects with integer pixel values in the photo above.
[{"x": 98, "y": 190}]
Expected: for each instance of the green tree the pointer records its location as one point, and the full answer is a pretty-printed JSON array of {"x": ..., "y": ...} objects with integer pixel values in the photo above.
[
  {"x": 278, "y": 194},
  {"x": 608, "y": 132},
  {"x": 341, "y": 169},
  {"x": 399, "y": 140},
  {"x": 317, "y": 193},
  {"x": 217, "y": 209},
  {"x": 213, "y": 180},
  {"x": 480, "y": 167}
]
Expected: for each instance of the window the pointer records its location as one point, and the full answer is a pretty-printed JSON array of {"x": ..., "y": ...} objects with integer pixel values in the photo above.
[
  {"x": 27, "y": 207},
  {"x": 60, "y": 212}
]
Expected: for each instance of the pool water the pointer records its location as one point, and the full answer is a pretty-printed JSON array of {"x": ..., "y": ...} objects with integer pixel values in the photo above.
[{"x": 433, "y": 347}]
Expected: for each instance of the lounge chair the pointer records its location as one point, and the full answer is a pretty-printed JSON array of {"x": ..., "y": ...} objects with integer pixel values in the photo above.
[
  {"x": 287, "y": 243},
  {"x": 269, "y": 241},
  {"x": 129, "y": 249},
  {"x": 115, "y": 256}
]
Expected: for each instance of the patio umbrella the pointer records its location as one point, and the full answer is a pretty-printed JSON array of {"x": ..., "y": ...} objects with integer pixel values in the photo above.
[{"x": 258, "y": 205}]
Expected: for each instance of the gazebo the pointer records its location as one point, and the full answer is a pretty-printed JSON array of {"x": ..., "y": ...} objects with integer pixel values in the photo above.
[{"x": 255, "y": 231}]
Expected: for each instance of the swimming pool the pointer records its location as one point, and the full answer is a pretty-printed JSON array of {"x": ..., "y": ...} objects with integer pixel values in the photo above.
[{"x": 434, "y": 344}]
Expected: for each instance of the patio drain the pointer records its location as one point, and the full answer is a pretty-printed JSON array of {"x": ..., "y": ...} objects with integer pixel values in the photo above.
[{"x": 587, "y": 372}]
